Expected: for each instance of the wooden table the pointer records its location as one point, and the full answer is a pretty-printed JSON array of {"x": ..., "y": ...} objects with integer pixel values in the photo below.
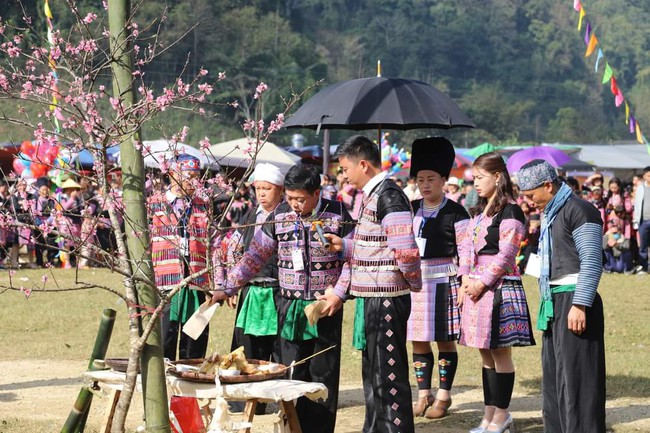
[{"x": 278, "y": 390}]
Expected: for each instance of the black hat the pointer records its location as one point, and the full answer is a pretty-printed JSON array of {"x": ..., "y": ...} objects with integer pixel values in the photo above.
[
  {"x": 42, "y": 181},
  {"x": 432, "y": 153}
]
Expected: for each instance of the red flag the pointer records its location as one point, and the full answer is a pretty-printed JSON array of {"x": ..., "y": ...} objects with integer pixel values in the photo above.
[{"x": 614, "y": 87}]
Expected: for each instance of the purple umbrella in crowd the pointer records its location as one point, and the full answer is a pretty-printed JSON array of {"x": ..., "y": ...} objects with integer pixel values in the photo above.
[{"x": 554, "y": 156}]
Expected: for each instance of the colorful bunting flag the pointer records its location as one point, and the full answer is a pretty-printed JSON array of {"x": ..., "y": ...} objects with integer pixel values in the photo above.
[
  {"x": 582, "y": 15},
  {"x": 613, "y": 87},
  {"x": 619, "y": 98},
  {"x": 600, "y": 56},
  {"x": 592, "y": 45},
  {"x": 608, "y": 73}
]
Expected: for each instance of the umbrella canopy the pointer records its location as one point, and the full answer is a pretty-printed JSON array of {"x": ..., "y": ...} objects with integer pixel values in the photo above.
[
  {"x": 232, "y": 154},
  {"x": 554, "y": 156},
  {"x": 379, "y": 103},
  {"x": 463, "y": 159}
]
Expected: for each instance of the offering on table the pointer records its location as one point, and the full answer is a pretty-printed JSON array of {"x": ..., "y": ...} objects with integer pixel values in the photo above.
[{"x": 234, "y": 361}]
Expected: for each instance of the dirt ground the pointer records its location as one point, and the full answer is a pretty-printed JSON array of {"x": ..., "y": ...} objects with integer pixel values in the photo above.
[{"x": 36, "y": 396}]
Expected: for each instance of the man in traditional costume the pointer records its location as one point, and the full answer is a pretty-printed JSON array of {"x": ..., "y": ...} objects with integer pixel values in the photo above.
[
  {"x": 256, "y": 326},
  {"x": 571, "y": 310},
  {"x": 179, "y": 224},
  {"x": 385, "y": 268},
  {"x": 306, "y": 269}
]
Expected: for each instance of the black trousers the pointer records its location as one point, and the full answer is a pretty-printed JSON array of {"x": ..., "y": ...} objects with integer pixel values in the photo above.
[
  {"x": 256, "y": 347},
  {"x": 316, "y": 417},
  {"x": 385, "y": 366},
  {"x": 172, "y": 333},
  {"x": 573, "y": 367}
]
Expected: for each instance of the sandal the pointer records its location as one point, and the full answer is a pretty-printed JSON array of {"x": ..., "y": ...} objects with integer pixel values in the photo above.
[
  {"x": 423, "y": 404},
  {"x": 438, "y": 409}
]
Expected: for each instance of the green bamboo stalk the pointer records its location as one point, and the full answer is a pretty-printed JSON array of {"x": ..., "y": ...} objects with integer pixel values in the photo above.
[
  {"x": 154, "y": 385},
  {"x": 77, "y": 418}
]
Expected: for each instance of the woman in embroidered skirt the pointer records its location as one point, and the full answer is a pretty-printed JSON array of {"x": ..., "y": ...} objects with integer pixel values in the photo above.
[
  {"x": 435, "y": 315},
  {"x": 494, "y": 311}
]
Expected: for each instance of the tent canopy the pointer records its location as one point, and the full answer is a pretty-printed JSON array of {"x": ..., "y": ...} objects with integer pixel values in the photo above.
[
  {"x": 620, "y": 156},
  {"x": 232, "y": 154}
]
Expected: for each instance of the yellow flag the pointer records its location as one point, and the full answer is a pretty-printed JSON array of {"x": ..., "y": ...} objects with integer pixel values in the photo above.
[
  {"x": 582, "y": 15},
  {"x": 639, "y": 136},
  {"x": 48, "y": 12},
  {"x": 627, "y": 113},
  {"x": 592, "y": 45}
]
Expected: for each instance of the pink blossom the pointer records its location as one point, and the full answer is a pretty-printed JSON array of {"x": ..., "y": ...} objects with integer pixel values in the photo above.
[
  {"x": 13, "y": 51},
  {"x": 115, "y": 103},
  {"x": 261, "y": 88},
  {"x": 105, "y": 4},
  {"x": 204, "y": 144},
  {"x": 203, "y": 72},
  {"x": 55, "y": 52},
  {"x": 234, "y": 104},
  {"x": 205, "y": 88},
  {"x": 248, "y": 125},
  {"x": 44, "y": 279},
  {"x": 184, "y": 132},
  {"x": 221, "y": 76},
  {"x": 90, "y": 18},
  {"x": 276, "y": 124},
  {"x": 4, "y": 82}
]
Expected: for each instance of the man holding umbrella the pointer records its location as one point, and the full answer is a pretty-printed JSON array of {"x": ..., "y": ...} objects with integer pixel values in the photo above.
[{"x": 385, "y": 268}]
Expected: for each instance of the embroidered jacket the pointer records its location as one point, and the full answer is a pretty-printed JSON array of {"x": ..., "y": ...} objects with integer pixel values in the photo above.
[
  {"x": 489, "y": 246},
  {"x": 168, "y": 261},
  {"x": 287, "y": 234},
  {"x": 384, "y": 258}
]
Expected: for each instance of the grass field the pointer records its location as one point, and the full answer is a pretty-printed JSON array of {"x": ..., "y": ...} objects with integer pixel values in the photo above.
[{"x": 62, "y": 326}]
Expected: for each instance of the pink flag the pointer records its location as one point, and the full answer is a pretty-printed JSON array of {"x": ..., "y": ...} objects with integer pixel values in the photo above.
[
  {"x": 619, "y": 98},
  {"x": 576, "y": 5}
]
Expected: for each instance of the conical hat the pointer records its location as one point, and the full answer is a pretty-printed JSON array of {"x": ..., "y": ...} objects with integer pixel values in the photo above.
[{"x": 70, "y": 184}]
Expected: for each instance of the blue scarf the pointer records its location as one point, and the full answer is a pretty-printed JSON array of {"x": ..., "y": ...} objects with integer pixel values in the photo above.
[{"x": 545, "y": 250}]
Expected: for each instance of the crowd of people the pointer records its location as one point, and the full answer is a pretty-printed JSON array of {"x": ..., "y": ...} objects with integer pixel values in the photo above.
[
  {"x": 432, "y": 259},
  {"x": 427, "y": 261},
  {"x": 55, "y": 226}
]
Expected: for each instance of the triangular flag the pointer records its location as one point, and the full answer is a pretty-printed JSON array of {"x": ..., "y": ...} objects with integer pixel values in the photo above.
[
  {"x": 608, "y": 73},
  {"x": 627, "y": 113},
  {"x": 592, "y": 45},
  {"x": 613, "y": 86},
  {"x": 619, "y": 98},
  {"x": 587, "y": 33},
  {"x": 576, "y": 5},
  {"x": 639, "y": 136},
  {"x": 632, "y": 124},
  {"x": 582, "y": 15},
  {"x": 600, "y": 56},
  {"x": 48, "y": 12}
]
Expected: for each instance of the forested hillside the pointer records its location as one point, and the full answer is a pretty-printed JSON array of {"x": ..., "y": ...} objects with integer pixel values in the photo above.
[{"x": 517, "y": 67}]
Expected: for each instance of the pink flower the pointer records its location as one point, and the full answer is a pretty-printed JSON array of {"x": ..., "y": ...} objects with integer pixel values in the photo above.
[
  {"x": 184, "y": 132},
  {"x": 261, "y": 88},
  {"x": 276, "y": 124},
  {"x": 205, "y": 88},
  {"x": 222, "y": 76},
  {"x": 44, "y": 279},
  {"x": 248, "y": 125},
  {"x": 204, "y": 144},
  {"x": 13, "y": 51},
  {"x": 90, "y": 18},
  {"x": 4, "y": 82},
  {"x": 203, "y": 72}
]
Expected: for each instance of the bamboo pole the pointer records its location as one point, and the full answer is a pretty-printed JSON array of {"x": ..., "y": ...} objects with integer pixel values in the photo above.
[
  {"x": 154, "y": 385},
  {"x": 77, "y": 418}
]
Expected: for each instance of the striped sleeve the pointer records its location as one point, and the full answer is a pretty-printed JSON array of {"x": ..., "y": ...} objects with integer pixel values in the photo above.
[
  {"x": 588, "y": 240},
  {"x": 260, "y": 251},
  {"x": 464, "y": 244},
  {"x": 511, "y": 233},
  {"x": 399, "y": 231}
]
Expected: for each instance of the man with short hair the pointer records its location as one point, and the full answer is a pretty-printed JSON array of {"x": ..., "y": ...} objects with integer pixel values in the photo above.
[
  {"x": 306, "y": 269},
  {"x": 641, "y": 220},
  {"x": 385, "y": 268},
  {"x": 571, "y": 311}
]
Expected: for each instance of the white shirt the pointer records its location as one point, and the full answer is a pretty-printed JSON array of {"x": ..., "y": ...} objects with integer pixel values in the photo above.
[{"x": 372, "y": 183}]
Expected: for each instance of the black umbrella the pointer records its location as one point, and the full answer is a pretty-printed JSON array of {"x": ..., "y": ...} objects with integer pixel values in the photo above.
[{"x": 379, "y": 103}]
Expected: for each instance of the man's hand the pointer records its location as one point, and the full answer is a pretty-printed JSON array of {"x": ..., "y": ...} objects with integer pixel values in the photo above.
[
  {"x": 232, "y": 301},
  {"x": 577, "y": 319},
  {"x": 218, "y": 296},
  {"x": 334, "y": 303},
  {"x": 336, "y": 243}
]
